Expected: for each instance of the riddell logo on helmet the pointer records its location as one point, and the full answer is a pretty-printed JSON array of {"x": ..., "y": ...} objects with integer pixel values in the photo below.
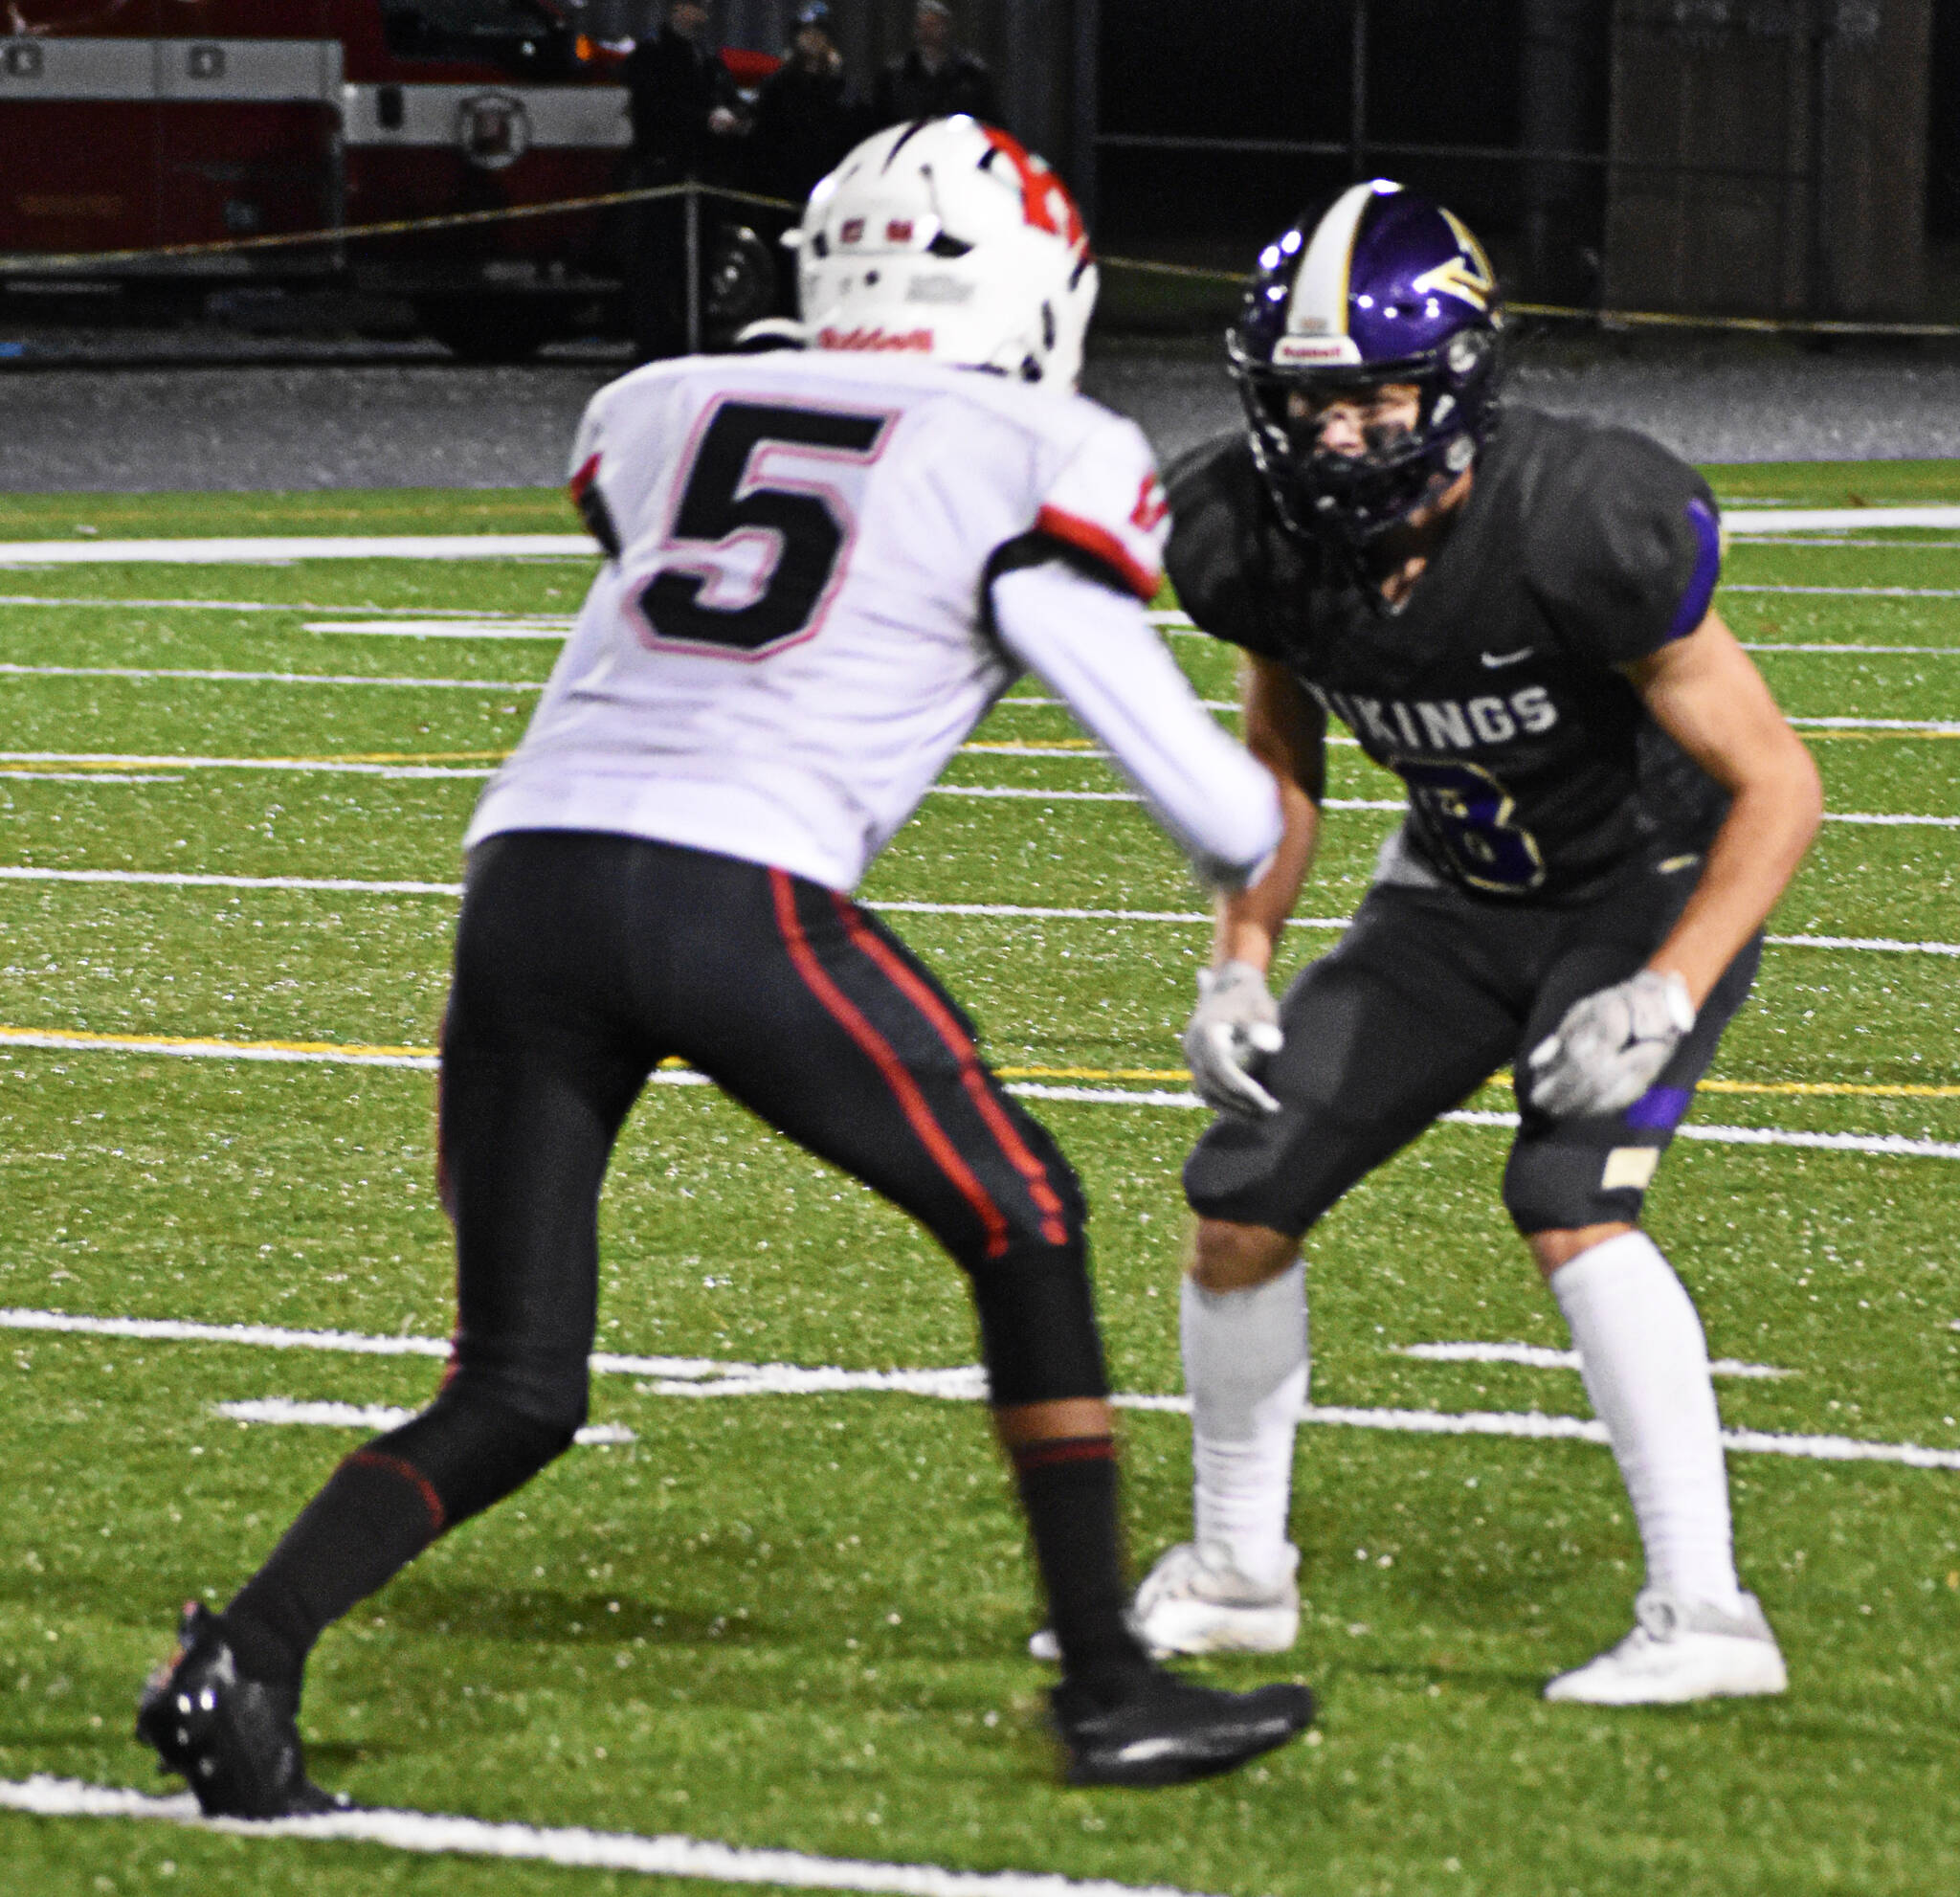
[
  {"x": 919, "y": 340},
  {"x": 1289, "y": 350}
]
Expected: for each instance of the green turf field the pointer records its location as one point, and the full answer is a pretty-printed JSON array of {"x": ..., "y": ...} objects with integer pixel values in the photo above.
[{"x": 794, "y": 1619}]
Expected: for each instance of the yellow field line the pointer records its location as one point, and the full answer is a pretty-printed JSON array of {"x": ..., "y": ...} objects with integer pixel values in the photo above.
[
  {"x": 1901, "y": 1091},
  {"x": 1818, "y": 737},
  {"x": 1825, "y": 1089},
  {"x": 1093, "y": 1073},
  {"x": 358, "y": 1049},
  {"x": 137, "y": 1042}
]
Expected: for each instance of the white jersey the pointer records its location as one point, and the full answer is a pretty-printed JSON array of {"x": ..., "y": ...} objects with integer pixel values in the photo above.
[{"x": 826, "y": 568}]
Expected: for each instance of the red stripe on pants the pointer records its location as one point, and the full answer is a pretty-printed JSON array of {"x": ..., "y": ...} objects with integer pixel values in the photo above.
[
  {"x": 1040, "y": 1188},
  {"x": 905, "y": 1088},
  {"x": 380, "y": 1459}
]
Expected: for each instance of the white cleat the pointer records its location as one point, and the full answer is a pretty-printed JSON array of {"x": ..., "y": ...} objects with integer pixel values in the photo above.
[
  {"x": 1195, "y": 1601},
  {"x": 1681, "y": 1650}
]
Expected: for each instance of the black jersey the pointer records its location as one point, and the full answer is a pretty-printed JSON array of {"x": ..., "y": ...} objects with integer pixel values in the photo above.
[{"x": 1533, "y": 768}]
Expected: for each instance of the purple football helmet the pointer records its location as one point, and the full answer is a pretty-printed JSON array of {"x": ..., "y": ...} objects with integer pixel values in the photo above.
[{"x": 1381, "y": 287}]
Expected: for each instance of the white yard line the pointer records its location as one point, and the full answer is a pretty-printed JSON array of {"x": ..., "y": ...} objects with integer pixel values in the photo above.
[
  {"x": 439, "y": 629},
  {"x": 1847, "y": 592},
  {"x": 254, "y": 550},
  {"x": 1187, "y": 918},
  {"x": 191, "y": 879},
  {"x": 374, "y": 618},
  {"x": 694, "y": 1378},
  {"x": 301, "y": 766},
  {"x": 91, "y": 777},
  {"x": 1536, "y": 1357},
  {"x": 1821, "y": 540},
  {"x": 1826, "y": 520},
  {"x": 431, "y": 1834},
  {"x": 1890, "y": 650},
  {"x": 275, "y": 1053},
  {"x": 215, "y": 677},
  {"x": 1087, "y": 753},
  {"x": 281, "y": 1410}
]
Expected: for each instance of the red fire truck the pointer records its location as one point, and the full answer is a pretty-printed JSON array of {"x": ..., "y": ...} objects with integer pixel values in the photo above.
[{"x": 133, "y": 125}]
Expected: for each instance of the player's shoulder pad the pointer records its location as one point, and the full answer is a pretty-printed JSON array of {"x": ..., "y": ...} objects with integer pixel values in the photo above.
[
  {"x": 1219, "y": 557},
  {"x": 1622, "y": 538},
  {"x": 1105, "y": 506}
]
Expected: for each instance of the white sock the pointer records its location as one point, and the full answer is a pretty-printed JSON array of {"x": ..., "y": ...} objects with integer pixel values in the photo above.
[
  {"x": 1245, "y": 1366},
  {"x": 1645, "y": 1362}
]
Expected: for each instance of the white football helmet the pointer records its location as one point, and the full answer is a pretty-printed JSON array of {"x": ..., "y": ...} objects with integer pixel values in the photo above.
[{"x": 948, "y": 239}]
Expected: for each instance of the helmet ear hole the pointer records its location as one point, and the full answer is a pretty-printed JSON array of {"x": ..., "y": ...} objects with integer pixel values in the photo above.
[{"x": 1047, "y": 325}]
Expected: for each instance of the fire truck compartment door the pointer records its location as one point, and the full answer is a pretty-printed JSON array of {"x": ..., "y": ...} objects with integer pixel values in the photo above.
[
  {"x": 579, "y": 117},
  {"x": 232, "y": 70}
]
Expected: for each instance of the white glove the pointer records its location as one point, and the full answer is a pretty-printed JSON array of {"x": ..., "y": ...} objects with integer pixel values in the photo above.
[
  {"x": 1236, "y": 1022},
  {"x": 1610, "y": 1046}
]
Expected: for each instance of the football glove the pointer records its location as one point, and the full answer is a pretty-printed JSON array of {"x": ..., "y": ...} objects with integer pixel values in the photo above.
[
  {"x": 1235, "y": 1023},
  {"x": 1611, "y": 1047}
]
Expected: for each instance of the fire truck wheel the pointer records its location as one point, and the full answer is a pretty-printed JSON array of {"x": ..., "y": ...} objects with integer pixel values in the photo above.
[{"x": 491, "y": 329}]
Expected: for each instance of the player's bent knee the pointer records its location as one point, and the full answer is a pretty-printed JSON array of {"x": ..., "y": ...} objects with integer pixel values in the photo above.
[
  {"x": 1037, "y": 1324},
  {"x": 479, "y": 1441},
  {"x": 1554, "y": 1186},
  {"x": 1552, "y": 1251},
  {"x": 1230, "y": 1257}
]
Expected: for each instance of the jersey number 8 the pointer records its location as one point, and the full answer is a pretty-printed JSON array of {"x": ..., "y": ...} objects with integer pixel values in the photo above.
[
  {"x": 801, "y": 524},
  {"x": 1466, "y": 814}
]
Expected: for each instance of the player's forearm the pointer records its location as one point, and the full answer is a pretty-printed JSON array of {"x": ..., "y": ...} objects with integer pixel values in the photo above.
[
  {"x": 1755, "y": 853},
  {"x": 1096, "y": 650},
  {"x": 1250, "y": 920}
]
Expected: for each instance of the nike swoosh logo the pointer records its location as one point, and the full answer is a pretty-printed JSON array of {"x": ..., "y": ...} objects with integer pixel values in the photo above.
[{"x": 1497, "y": 660}]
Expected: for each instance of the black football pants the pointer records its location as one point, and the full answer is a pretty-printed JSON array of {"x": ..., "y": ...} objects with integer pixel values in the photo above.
[
  {"x": 582, "y": 962},
  {"x": 1429, "y": 994}
]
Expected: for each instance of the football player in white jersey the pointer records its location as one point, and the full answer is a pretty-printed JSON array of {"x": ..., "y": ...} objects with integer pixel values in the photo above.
[{"x": 823, "y": 567}]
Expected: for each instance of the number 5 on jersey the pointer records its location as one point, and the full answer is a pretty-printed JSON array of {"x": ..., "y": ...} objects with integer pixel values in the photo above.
[{"x": 762, "y": 530}]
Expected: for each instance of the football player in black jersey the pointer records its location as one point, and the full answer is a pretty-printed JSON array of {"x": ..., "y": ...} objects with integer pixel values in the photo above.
[{"x": 1603, "y": 805}]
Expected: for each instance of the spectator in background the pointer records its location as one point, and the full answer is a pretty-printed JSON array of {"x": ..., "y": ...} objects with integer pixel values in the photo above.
[
  {"x": 686, "y": 119},
  {"x": 682, "y": 97},
  {"x": 806, "y": 118},
  {"x": 938, "y": 77}
]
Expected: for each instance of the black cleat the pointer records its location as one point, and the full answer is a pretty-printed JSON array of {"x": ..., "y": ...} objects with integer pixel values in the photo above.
[
  {"x": 232, "y": 1738},
  {"x": 1157, "y": 1728}
]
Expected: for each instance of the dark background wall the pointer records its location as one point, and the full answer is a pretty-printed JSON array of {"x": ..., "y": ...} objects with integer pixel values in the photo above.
[{"x": 1751, "y": 156}]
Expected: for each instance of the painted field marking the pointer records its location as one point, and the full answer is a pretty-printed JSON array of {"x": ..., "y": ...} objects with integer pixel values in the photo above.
[
  {"x": 192, "y": 879},
  {"x": 345, "y": 767},
  {"x": 1893, "y": 651},
  {"x": 372, "y": 1417},
  {"x": 554, "y": 629},
  {"x": 1536, "y": 1357},
  {"x": 1088, "y": 748},
  {"x": 1070, "y": 747},
  {"x": 374, "y": 617},
  {"x": 1846, "y": 591},
  {"x": 404, "y": 765},
  {"x": 431, "y": 1834},
  {"x": 92, "y": 776},
  {"x": 1824, "y": 520},
  {"x": 1187, "y": 918},
  {"x": 1030, "y": 1082},
  {"x": 194, "y": 1047},
  {"x": 1821, "y": 540},
  {"x": 963, "y": 1383},
  {"x": 212, "y": 675},
  {"x": 279, "y": 550}
]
